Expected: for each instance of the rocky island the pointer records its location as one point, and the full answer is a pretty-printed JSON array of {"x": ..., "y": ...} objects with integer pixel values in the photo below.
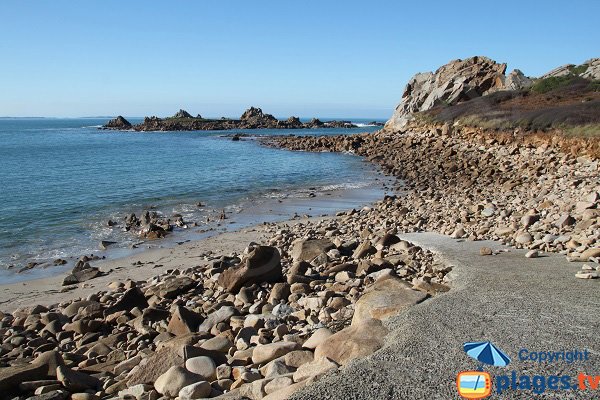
[{"x": 252, "y": 118}]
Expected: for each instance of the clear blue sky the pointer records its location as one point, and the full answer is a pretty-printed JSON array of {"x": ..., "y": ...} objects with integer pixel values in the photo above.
[{"x": 307, "y": 58}]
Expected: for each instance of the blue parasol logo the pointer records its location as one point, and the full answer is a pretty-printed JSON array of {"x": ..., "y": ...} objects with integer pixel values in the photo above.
[{"x": 486, "y": 353}]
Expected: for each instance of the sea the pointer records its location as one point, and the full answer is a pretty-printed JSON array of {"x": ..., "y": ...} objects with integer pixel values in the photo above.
[{"x": 62, "y": 180}]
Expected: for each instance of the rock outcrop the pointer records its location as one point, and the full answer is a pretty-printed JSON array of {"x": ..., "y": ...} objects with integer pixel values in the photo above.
[
  {"x": 252, "y": 118},
  {"x": 455, "y": 82},
  {"x": 118, "y": 123},
  {"x": 182, "y": 114},
  {"x": 588, "y": 70}
]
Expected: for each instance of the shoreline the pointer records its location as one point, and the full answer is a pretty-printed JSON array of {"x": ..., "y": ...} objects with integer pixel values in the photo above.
[
  {"x": 325, "y": 204},
  {"x": 241, "y": 211}
]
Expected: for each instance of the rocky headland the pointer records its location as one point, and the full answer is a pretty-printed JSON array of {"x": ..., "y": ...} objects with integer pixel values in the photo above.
[
  {"x": 299, "y": 304},
  {"x": 252, "y": 118}
]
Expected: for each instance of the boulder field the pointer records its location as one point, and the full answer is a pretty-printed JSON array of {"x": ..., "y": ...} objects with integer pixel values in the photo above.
[{"x": 256, "y": 325}]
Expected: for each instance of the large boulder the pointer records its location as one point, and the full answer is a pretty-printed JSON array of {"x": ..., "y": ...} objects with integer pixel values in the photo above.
[
  {"x": 262, "y": 264},
  {"x": 307, "y": 249},
  {"x": 357, "y": 340},
  {"x": 385, "y": 298},
  {"x": 175, "y": 379},
  {"x": 457, "y": 81}
]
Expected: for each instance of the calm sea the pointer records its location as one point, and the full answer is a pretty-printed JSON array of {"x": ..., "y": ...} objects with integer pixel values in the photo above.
[{"x": 61, "y": 180}]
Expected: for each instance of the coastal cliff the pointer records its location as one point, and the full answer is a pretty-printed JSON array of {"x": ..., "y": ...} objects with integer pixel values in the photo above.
[
  {"x": 476, "y": 92},
  {"x": 252, "y": 118}
]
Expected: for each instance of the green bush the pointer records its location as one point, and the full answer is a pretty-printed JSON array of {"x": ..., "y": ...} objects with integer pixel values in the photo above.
[
  {"x": 579, "y": 69},
  {"x": 554, "y": 82}
]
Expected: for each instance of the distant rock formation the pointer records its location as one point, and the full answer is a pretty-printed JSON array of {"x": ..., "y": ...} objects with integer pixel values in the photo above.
[
  {"x": 588, "y": 70},
  {"x": 118, "y": 123},
  {"x": 252, "y": 118},
  {"x": 182, "y": 114},
  {"x": 455, "y": 82}
]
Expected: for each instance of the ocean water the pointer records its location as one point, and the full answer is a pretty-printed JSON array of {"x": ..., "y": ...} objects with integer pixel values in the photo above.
[{"x": 61, "y": 180}]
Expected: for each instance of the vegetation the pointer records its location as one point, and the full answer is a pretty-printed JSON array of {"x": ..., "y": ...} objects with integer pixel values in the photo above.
[{"x": 554, "y": 82}]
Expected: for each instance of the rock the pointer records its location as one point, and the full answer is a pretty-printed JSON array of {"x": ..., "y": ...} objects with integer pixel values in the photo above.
[
  {"x": 136, "y": 391},
  {"x": 360, "y": 339},
  {"x": 317, "y": 338},
  {"x": 132, "y": 298},
  {"x": 183, "y": 321},
  {"x": 308, "y": 249},
  {"x": 297, "y": 358},
  {"x": 182, "y": 114},
  {"x": 285, "y": 393},
  {"x": 75, "y": 381},
  {"x": 590, "y": 253},
  {"x": 173, "y": 287},
  {"x": 385, "y": 298},
  {"x": 118, "y": 123},
  {"x": 363, "y": 250},
  {"x": 202, "y": 366},
  {"x": 198, "y": 390},
  {"x": 316, "y": 368},
  {"x": 565, "y": 220},
  {"x": 528, "y": 220},
  {"x": 104, "y": 244},
  {"x": 261, "y": 265},
  {"x": 172, "y": 381},
  {"x": 11, "y": 377},
  {"x": 485, "y": 251},
  {"x": 220, "y": 315},
  {"x": 532, "y": 254},
  {"x": 524, "y": 238},
  {"x": 587, "y": 275},
  {"x": 265, "y": 353},
  {"x": 457, "y": 81}
]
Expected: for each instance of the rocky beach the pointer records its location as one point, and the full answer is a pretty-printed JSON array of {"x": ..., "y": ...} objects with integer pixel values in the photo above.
[{"x": 328, "y": 307}]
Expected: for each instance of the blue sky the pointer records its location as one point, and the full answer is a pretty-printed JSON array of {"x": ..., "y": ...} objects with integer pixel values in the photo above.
[{"x": 309, "y": 58}]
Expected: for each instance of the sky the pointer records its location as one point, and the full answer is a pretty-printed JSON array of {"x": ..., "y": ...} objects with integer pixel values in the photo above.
[{"x": 306, "y": 58}]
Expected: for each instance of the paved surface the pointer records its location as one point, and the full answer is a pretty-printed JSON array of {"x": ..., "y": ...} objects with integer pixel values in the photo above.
[{"x": 510, "y": 300}]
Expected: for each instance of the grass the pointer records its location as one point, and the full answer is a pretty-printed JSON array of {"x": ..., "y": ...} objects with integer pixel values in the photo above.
[
  {"x": 554, "y": 82},
  {"x": 584, "y": 131}
]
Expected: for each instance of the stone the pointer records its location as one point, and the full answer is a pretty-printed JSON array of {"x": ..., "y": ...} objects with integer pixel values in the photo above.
[
  {"x": 297, "y": 358},
  {"x": 278, "y": 383},
  {"x": 590, "y": 253},
  {"x": 171, "y": 382},
  {"x": 524, "y": 238},
  {"x": 183, "y": 321},
  {"x": 202, "y": 366},
  {"x": 317, "y": 338},
  {"x": 528, "y": 220},
  {"x": 75, "y": 381},
  {"x": 262, "y": 264},
  {"x": 565, "y": 220},
  {"x": 316, "y": 368},
  {"x": 285, "y": 393},
  {"x": 220, "y": 315},
  {"x": 265, "y": 353},
  {"x": 308, "y": 249},
  {"x": 136, "y": 391},
  {"x": 385, "y": 298},
  {"x": 220, "y": 343},
  {"x": 532, "y": 254},
  {"x": 131, "y": 299},
  {"x": 485, "y": 251},
  {"x": 11, "y": 377},
  {"x": 360, "y": 339},
  {"x": 587, "y": 275},
  {"x": 198, "y": 390},
  {"x": 363, "y": 250}
]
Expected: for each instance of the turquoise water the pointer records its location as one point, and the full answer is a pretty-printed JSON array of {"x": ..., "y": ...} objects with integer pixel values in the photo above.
[{"x": 62, "y": 179}]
